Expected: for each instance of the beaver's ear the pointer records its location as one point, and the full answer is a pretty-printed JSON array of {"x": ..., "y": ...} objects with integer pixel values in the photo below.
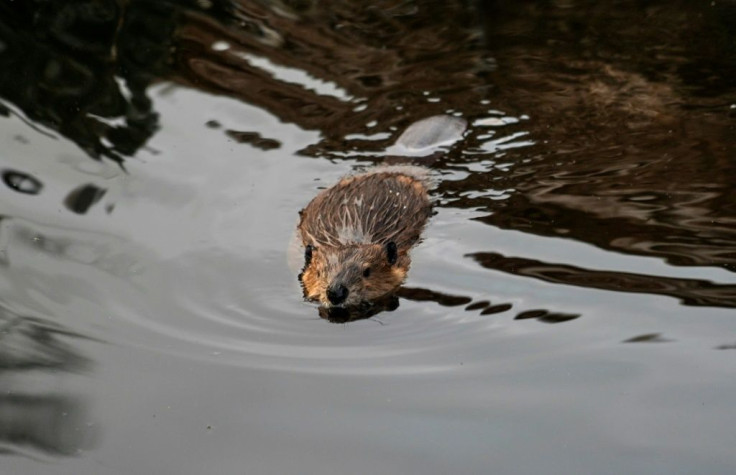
[
  {"x": 392, "y": 252},
  {"x": 308, "y": 255}
]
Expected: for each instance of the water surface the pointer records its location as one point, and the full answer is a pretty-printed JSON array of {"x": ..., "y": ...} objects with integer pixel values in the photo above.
[{"x": 570, "y": 309}]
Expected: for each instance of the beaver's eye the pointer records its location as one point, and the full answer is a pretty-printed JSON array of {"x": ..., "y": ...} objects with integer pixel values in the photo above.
[
  {"x": 308, "y": 255},
  {"x": 392, "y": 252},
  {"x": 367, "y": 272}
]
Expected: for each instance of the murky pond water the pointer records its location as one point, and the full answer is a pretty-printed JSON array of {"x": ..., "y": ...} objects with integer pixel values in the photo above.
[{"x": 569, "y": 310}]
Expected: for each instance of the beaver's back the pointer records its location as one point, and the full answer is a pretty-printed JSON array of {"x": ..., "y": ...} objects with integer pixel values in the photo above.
[{"x": 376, "y": 207}]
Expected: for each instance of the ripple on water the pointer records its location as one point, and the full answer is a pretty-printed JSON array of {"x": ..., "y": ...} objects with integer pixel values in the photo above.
[{"x": 206, "y": 307}]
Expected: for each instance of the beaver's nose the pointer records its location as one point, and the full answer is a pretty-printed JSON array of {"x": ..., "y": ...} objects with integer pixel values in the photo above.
[{"x": 337, "y": 294}]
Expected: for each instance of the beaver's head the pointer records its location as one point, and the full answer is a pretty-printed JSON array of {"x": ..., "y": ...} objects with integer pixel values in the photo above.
[{"x": 352, "y": 275}]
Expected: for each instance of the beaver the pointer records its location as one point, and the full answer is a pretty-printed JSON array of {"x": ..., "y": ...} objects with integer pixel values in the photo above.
[{"x": 358, "y": 233}]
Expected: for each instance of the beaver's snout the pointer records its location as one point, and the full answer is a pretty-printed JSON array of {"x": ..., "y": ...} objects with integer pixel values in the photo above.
[{"x": 337, "y": 294}]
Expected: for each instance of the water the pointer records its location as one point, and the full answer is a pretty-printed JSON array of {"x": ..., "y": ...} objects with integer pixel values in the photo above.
[{"x": 570, "y": 309}]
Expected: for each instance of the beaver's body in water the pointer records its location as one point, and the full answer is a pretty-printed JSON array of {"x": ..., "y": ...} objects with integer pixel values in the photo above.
[{"x": 358, "y": 233}]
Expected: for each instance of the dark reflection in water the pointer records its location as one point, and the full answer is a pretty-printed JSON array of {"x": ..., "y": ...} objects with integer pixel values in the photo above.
[
  {"x": 391, "y": 303},
  {"x": 253, "y": 138},
  {"x": 443, "y": 299},
  {"x": 81, "y": 199},
  {"x": 546, "y": 317},
  {"x": 32, "y": 343},
  {"x": 484, "y": 306},
  {"x": 648, "y": 338},
  {"x": 49, "y": 422},
  {"x": 22, "y": 182},
  {"x": 492, "y": 309},
  {"x": 634, "y": 103},
  {"x": 351, "y": 314},
  {"x": 94, "y": 60},
  {"x": 53, "y": 424},
  {"x": 690, "y": 291},
  {"x": 85, "y": 67},
  {"x": 381, "y": 60}
]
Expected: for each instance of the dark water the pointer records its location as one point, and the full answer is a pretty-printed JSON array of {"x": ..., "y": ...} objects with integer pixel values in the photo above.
[{"x": 570, "y": 310}]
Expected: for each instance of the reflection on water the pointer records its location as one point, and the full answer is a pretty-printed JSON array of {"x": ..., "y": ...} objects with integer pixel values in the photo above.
[
  {"x": 690, "y": 291},
  {"x": 602, "y": 184},
  {"x": 640, "y": 140},
  {"x": 647, "y": 338},
  {"x": 85, "y": 70},
  {"x": 155, "y": 155},
  {"x": 29, "y": 343},
  {"x": 53, "y": 423},
  {"x": 625, "y": 151},
  {"x": 338, "y": 68},
  {"x": 22, "y": 182},
  {"x": 420, "y": 295},
  {"x": 351, "y": 314}
]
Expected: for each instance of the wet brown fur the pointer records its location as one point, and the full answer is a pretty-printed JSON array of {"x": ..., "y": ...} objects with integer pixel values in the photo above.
[{"x": 349, "y": 227}]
